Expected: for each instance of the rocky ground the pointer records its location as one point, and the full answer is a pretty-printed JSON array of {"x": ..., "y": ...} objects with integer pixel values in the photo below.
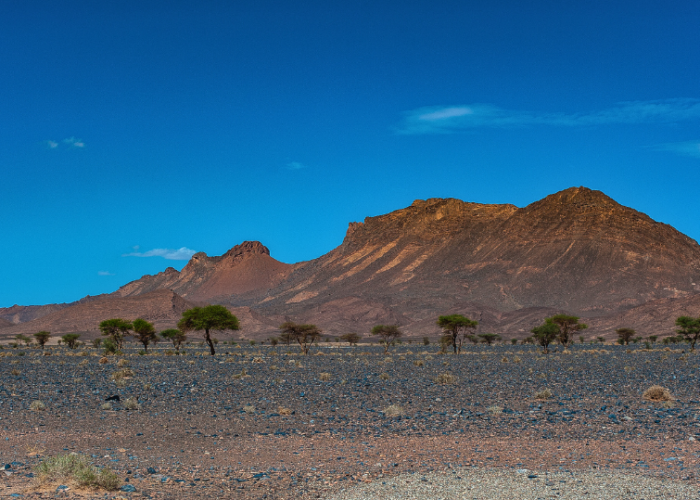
[{"x": 267, "y": 422}]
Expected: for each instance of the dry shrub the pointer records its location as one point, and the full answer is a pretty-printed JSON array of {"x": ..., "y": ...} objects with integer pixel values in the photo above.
[
  {"x": 258, "y": 360},
  {"x": 393, "y": 411},
  {"x": 104, "y": 360},
  {"x": 494, "y": 410},
  {"x": 504, "y": 359},
  {"x": 122, "y": 374},
  {"x": 516, "y": 359},
  {"x": 122, "y": 363},
  {"x": 384, "y": 376},
  {"x": 418, "y": 363},
  {"x": 324, "y": 377},
  {"x": 75, "y": 469},
  {"x": 249, "y": 409},
  {"x": 445, "y": 379},
  {"x": 388, "y": 360},
  {"x": 37, "y": 406},
  {"x": 658, "y": 393},
  {"x": 132, "y": 404},
  {"x": 284, "y": 411},
  {"x": 543, "y": 394}
]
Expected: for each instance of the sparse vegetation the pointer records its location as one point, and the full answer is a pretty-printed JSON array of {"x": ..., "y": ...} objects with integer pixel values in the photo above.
[
  {"x": 76, "y": 469},
  {"x": 393, "y": 411},
  {"x": 37, "y": 406},
  {"x": 71, "y": 339},
  {"x": 445, "y": 379},
  {"x": 144, "y": 333},
  {"x": 389, "y": 334},
  {"x": 455, "y": 327},
  {"x": 208, "y": 318},
  {"x": 543, "y": 394},
  {"x": 657, "y": 393},
  {"x": 42, "y": 337},
  {"x": 116, "y": 329}
]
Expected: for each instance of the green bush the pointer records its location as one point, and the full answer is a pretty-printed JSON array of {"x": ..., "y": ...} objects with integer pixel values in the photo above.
[{"x": 75, "y": 468}]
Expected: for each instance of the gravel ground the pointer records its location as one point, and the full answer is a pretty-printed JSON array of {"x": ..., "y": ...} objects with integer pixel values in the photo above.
[
  {"x": 490, "y": 484},
  {"x": 268, "y": 423}
]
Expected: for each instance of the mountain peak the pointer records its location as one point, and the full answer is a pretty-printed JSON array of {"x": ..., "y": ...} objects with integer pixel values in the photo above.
[
  {"x": 247, "y": 247},
  {"x": 581, "y": 196}
]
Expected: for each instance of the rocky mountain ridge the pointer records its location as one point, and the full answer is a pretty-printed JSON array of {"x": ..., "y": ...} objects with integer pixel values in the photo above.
[{"x": 575, "y": 251}]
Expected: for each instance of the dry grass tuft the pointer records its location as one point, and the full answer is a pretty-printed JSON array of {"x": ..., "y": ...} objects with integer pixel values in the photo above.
[
  {"x": 132, "y": 404},
  {"x": 104, "y": 360},
  {"x": 37, "y": 406},
  {"x": 658, "y": 393},
  {"x": 418, "y": 363},
  {"x": 284, "y": 411},
  {"x": 543, "y": 394},
  {"x": 393, "y": 411},
  {"x": 122, "y": 363},
  {"x": 446, "y": 379},
  {"x": 249, "y": 409},
  {"x": 384, "y": 376},
  {"x": 75, "y": 469},
  {"x": 324, "y": 377}
]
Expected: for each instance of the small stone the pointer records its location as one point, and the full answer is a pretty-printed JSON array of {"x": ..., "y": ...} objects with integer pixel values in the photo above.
[{"x": 129, "y": 488}]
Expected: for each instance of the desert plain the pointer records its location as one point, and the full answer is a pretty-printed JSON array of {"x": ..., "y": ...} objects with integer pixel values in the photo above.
[{"x": 264, "y": 422}]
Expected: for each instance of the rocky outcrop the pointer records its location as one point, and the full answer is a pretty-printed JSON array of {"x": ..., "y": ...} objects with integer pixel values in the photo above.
[{"x": 245, "y": 269}]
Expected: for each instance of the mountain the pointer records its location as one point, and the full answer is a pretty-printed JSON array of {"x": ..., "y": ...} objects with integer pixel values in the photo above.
[
  {"x": 576, "y": 251},
  {"x": 244, "y": 270}
]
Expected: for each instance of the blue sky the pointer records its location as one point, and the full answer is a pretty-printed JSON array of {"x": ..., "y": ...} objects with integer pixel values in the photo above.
[{"x": 134, "y": 133}]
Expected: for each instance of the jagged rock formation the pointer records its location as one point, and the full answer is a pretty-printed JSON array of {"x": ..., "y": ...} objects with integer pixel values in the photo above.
[
  {"x": 576, "y": 251},
  {"x": 245, "y": 269}
]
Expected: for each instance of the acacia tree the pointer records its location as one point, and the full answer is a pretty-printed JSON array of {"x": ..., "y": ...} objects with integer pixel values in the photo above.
[
  {"x": 350, "y": 338},
  {"x": 144, "y": 332},
  {"x": 42, "y": 337},
  {"x": 71, "y": 339},
  {"x": 625, "y": 335},
  {"x": 689, "y": 329},
  {"x": 456, "y": 327},
  {"x": 568, "y": 326},
  {"x": 545, "y": 335},
  {"x": 388, "y": 333},
  {"x": 489, "y": 338},
  {"x": 116, "y": 329},
  {"x": 175, "y": 336},
  {"x": 305, "y": 335},
  {"x": 208, "y": 318},
  {"x": 23, "y": 338}
]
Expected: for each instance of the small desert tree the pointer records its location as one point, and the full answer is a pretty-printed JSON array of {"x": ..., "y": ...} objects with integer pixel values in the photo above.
[
  {"x": 350, "y": 338},
  {"x": 625, "y": 335},
  {"x": 545, "y": 335},
  {"x": 304, "y": 335},
  {"x": 689, "y": 329},
  {"x": 208, "y": 318},
  {"x": 568, "y": 326},
  {"x": 42, "y": 337},
  {"x": 71, "y": 339},
  {"x": 145, "y": 332},
  {"x": 23, "y": 338},
  {"x": 175, "y": 336},
  {"x": 388, "y": 333},
  {"x": 456, "y": 327},
  {"x": 116, "y": 329},
  {"x": 489, "y": 338}
]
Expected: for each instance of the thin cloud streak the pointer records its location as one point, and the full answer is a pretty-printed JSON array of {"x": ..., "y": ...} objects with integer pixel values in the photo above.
[
  {"x": 452, "y": 119},
  {"x": 295, "y": 165},
  {"x": 167, "y": 253},
  {"x": 689, "y": 148},
  {"x": 104, "y": 273}
]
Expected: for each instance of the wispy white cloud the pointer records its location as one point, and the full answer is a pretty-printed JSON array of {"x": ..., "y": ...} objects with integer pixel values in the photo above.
[
  {"x": 295, "y": 165},
  {"x": 104, "y": 273},
  {"x": 167, "y": 253},
  {"x": 451, "y": 119},
  {"x": 70, "y": 142},
  {"x": 73, "y": 142},
  {"x": 689, "y": 148}
]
